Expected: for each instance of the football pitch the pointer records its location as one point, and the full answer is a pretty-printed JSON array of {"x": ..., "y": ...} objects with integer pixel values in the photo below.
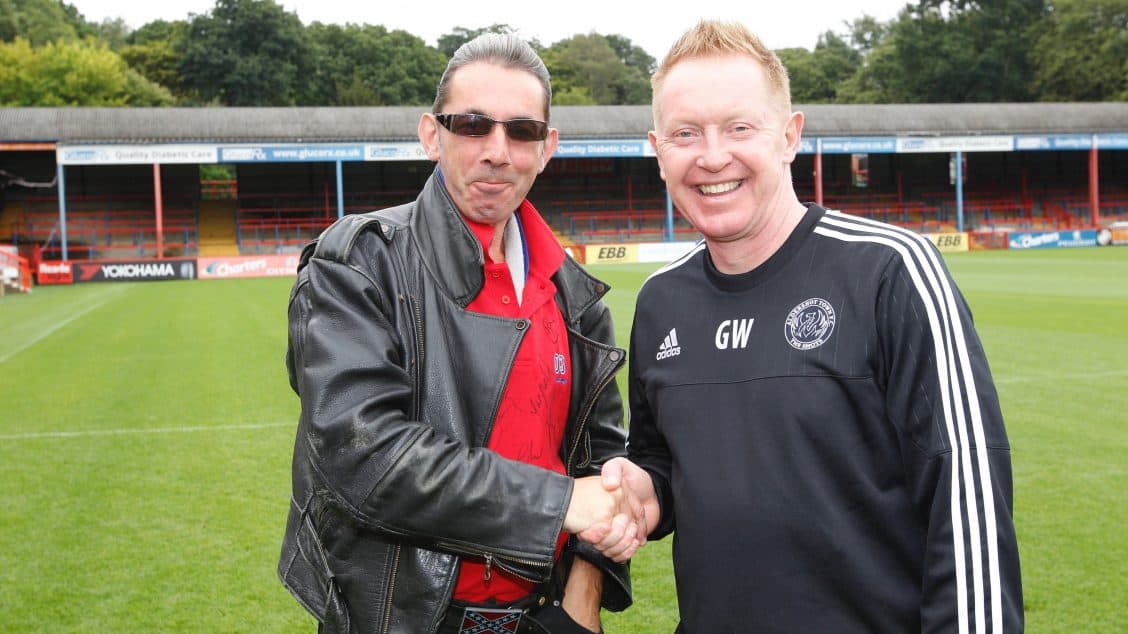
[{"x": 146, "y": 432}]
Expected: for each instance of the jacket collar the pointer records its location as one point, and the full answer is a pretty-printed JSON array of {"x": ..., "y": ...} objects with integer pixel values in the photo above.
[
  {"x": 449, "y": 249},
  {"x": 454, "y": 256}
]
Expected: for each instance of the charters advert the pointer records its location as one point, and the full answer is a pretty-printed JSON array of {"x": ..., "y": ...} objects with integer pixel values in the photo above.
[
  {"x": 1052, "y": 239},
  {"x": 247, "y": 266}
]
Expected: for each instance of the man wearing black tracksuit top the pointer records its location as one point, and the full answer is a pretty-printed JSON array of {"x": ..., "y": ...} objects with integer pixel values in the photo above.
[
  {"x": 817, "y": 428},
  {"x": 811, "y": 411}
]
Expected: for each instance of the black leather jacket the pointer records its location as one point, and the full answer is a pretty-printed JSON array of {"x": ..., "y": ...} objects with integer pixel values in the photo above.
[{"x": 399, "y": 385}]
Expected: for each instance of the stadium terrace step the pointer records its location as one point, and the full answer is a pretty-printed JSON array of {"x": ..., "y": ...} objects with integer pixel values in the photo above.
[
  {"x": 217, "y": 229},
  {"x": 218, "y": 250}
]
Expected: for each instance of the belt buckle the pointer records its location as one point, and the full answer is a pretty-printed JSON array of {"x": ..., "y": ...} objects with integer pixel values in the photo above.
[{"x": 490, "y": 620}]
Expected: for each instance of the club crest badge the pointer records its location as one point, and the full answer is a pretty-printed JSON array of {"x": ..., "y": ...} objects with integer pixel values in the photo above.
[{"x": 810, "y": 324}]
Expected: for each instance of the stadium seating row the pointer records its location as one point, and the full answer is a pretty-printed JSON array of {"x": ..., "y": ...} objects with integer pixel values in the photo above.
[{"x": 107, "y": 233}]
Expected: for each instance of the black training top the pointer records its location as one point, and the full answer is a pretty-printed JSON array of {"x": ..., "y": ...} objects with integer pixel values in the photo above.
[{"x": 825, "y": 439}]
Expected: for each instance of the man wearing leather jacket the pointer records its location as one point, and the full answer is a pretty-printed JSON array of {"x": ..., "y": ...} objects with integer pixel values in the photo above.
[{"x": 455, "y": 371}]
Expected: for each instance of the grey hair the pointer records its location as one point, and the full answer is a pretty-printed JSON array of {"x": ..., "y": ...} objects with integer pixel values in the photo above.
[{"x": 503, "y": 49}]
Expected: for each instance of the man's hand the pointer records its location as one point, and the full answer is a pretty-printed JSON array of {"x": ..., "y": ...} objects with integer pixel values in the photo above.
[
  {"x": 616, "y": 539},
  {"x": 611, "y": 518},
  {"x": 620, "y": 538},
  {"x": 622, "y": 472},
  {"x": 593, "y": 503}
]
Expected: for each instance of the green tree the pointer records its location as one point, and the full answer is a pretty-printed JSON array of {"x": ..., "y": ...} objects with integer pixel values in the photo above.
[
  {"x": 41, "y": 21},
  {"x": 9, "y": 21},
  {"x": 950, "y": 51},
  {"x": 817, "y": 75},
  {"x": 157, "y": 62},
  {"x": 866, "y": 32},
  {"x": 870, "y": 84},
  {"x": 450, "y": 42},
  {"x": 590, "y": 63},
  {"x": 929, "y": 59},
  {"x": 808, "y": 83},
  {"x": 154, "y": 50},
  {"x": 114, "y": 32},
  {"x": 246, "y": 53},
  {"x": 79, "y": 73},
  {"x": 1081, "y": 52},
  {"x": 1000, "y": 34},
  {"x": 632, "y": 55},
  {"x": 369, "y": 65},
  {"x": 159, "y": 31},
  {"x": 572, "y": 96}
]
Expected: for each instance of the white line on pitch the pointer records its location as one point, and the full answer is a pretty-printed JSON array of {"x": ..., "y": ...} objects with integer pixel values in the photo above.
[
  {"x": 123, "y": 432},
  {"x": 50, "y": 331}
]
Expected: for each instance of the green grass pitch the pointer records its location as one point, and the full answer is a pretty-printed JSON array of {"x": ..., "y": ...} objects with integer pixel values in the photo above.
[{"x": 146, "y": 433}]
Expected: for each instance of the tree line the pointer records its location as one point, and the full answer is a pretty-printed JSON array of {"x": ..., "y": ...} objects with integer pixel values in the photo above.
[{"x": 255, "y": 53}]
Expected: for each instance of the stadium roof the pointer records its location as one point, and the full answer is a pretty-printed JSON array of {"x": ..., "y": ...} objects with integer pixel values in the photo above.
[{"x": 398, "y": 123}]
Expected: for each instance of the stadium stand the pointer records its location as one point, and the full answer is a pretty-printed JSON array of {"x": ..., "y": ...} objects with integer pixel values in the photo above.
[{"x": 602, "y": 185}]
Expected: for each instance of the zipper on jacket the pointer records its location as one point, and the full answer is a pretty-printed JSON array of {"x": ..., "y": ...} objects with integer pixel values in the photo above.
[
  {"x": 582, "y": 421},
  {"x": 391, "y": 590},
  {"x": 418, "y": 311},
  {"x": 417, "y": 314},
  {"x": 500, "y": 562},
  {"x": 417, "y": 371}
]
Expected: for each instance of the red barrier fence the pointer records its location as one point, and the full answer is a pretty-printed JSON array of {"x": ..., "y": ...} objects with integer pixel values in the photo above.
[
  {"x": 15, "y": 272},
  {"x": 265, "y": 235}
]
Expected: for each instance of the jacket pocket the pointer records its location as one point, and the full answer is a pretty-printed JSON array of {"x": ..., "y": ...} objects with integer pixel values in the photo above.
[{"x": 304, "y": 569}]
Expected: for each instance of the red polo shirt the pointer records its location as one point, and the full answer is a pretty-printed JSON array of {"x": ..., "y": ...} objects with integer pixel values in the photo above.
[{"x": 534, "y": 405}]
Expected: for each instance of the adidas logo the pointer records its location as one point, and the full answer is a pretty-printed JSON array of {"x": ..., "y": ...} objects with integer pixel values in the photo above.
[{"x": 669, "y": 347}]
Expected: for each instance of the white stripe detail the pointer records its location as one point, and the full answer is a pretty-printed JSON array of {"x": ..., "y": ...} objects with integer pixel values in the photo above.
[
  {"x": 676, "y": 263},
  {"x": 899, "y": 239},
  {"x": 945, "y": 397},
  {"x": 984, "y": 471},
  {"x": 122, "y": 432}
]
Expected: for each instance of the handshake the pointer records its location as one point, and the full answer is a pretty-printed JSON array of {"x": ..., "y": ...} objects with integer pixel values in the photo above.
[{"x": 614, "y": 511}]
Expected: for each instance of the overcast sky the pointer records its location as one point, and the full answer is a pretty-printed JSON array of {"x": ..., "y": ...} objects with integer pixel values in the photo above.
[{"x": 652, "y": 25}]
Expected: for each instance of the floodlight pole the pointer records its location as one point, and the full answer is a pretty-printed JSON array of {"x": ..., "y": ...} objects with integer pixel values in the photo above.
[
  {"x": 959, "y": 191},
  {"x": 818, "y": 173},
  {"x": 1094, "y": 188},
  {"x": 340, "y": 191},
  {"x": 62, "y": 181},
  {"x": 158, "y": 206},
  {"x": 669, "y": 217}
]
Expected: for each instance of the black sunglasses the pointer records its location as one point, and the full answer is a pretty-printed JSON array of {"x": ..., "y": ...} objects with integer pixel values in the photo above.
[{"x": 480, "y": 125}]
